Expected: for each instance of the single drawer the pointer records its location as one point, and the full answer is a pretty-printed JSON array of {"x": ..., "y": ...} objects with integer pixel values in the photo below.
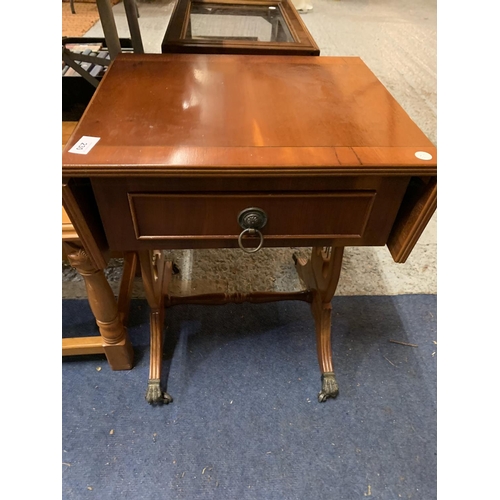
[
  {"x": 174, "y": 216},
  {"x": 155, "y": 213}
]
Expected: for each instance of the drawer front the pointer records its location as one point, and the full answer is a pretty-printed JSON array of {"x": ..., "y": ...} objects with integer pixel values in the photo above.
[
  {"x": 169, "y": 213},
  {"x": 174, "y": 216}
]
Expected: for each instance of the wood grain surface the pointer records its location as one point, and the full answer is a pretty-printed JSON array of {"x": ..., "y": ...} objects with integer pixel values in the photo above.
[{"x": 182, "y": 114}]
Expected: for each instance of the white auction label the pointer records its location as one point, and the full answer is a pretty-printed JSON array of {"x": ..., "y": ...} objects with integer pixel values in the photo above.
[
  {"x": 422, "y": 155},
  {"x": 84, "y": 145}
]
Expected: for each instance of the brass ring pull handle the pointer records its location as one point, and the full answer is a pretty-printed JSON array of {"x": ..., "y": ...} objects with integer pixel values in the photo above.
[
  {"x": 251, "y": 220},
  {"x": 251, "y": 231}
]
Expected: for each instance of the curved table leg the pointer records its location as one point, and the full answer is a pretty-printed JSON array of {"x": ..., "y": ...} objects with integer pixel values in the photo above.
[
  {"x": 321, "y": 275},
  {"x": 323, "y": 320},
  {"x": 116, "y": 343},
  {"x": 156, "y": 274}
]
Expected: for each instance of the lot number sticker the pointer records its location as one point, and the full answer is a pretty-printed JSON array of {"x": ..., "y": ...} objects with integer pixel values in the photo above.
[{"x": 84, "y": 145}]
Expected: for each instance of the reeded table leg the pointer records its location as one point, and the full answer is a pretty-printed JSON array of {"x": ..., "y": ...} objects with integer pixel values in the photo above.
[
  {"x": 116, "y": 343},
  {"x": 321, "y": 275},
  {"x": 156, "y": 274}
]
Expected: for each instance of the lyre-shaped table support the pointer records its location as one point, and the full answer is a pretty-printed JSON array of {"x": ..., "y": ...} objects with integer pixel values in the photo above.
[{"x": 320, "y": 274}]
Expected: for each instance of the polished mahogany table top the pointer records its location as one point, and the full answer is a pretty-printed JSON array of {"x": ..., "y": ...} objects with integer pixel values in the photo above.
[{"x": 186, "y": 114}]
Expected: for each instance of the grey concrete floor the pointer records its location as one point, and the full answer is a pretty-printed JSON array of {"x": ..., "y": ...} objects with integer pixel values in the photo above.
[{"x": 397, "y": 40}]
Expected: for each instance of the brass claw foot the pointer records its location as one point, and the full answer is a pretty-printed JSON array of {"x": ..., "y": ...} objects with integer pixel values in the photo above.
[
  {"x": 154, "y": 394},
  {"x": 329, "y": 387}
]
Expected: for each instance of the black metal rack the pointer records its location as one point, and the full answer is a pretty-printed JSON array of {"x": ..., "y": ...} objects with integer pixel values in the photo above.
[{"x": 90, "y": 67}]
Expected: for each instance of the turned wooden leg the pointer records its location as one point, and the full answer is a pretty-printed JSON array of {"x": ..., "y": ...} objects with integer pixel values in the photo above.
[
  {"x": 321, "y": 275},
  {"x": 156, "y": 274},
  {"x": 116, "y": 343}
]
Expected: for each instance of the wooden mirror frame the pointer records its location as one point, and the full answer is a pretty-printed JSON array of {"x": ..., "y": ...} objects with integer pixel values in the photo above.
[{"x": 175, "y": 40}]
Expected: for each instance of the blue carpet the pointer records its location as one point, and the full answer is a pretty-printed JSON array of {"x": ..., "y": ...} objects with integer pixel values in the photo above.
[{"x": 245, "y": 422}]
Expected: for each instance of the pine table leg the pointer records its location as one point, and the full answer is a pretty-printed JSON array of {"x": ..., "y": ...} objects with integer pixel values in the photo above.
[{"x": 116, "y": 343}]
